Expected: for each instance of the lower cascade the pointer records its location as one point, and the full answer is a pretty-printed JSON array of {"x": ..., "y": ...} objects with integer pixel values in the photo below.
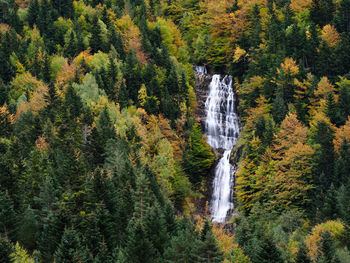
[{"x": 222, "y": 130}]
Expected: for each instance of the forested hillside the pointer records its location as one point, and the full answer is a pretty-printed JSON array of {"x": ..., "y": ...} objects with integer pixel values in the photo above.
[{"x": 103, "y": 158}]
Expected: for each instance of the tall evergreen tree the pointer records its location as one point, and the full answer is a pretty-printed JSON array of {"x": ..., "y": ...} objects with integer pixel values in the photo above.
[
  {"x": 69, "y": 250},
  {"x": 210, "y": 250},
  {"x": 302, "y": 255},
  {"x": 328, "y": 249},
  {"x": 6, "y": 249},
  {"x": 342, "y": 17},
  {"x": 96, "y": 43},
  {"x": 138, "y": 248},
  {"x": 332, "y": 110},
  {"x": 321, "y": 11},
  {"x": 132, "y": 74},
  {"x": 325, "y": 155},
  {"x": 33, "y": 12},
  {"x": 28, "y": 229},
  {"x": 8, "y": 217}
]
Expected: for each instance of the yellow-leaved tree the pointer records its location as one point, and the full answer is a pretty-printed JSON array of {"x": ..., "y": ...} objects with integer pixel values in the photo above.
[{"x": 293, "y": 156}]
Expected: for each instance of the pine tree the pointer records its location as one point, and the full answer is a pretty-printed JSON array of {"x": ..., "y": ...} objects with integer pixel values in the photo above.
[
  {"x": 302, "y": 255},
  {"x": 343, "y": 198},
  {"x": 279, "y": 108},
  {"x": 73, "y": 103},
  {"x": 342, "y": 17},
  {"x": 28, "y": 229},
  {"x": 7, "y": 217},
  {"x": 321, "y": 11},
  {"x": 33, "y": 12},
  {"x": 142, "y": 196},
  {"x": 132, "y": 74},
  {"x": 342, "y": 164},
  {"x": 332, "y": 110},
  {"x": 330, "y": 204},
  {"x": 184, "y": 247},
  {"x": 6, "y": 69},
  {"x": 103, "y": 255},
  {"x": 69, "y": 250},
  {"x": 156, "y": 228},
  {"x": 105, "y": 126},
  {"x": 210, "y": 251},
  {"x": 123, "y": 96},
  {"x": 344, "y": 104},
  {"x": 45, "y": 19},
  {"x": 71, "y": 46},
  {"x": 269, "y": 253},
  {"x": 6, "y": 249},
  {"x": 243, "y": 232},
  {"x": 328, "y": 249},
  {"x": 325, "y": 155},
  {"x": 96, "y": 39},
  {"x": 115, "y": 39},
  {"x": 138, "y": 248},
  {"x": 64, "y": 7},
  {"x": 47, "y": 199},
  {"x": 45, "y": 74},
  {"x": 50, "y": 234}
]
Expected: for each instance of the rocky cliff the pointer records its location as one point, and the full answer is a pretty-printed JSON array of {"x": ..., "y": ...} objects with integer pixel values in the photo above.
[{"x": 202, "y": 80}]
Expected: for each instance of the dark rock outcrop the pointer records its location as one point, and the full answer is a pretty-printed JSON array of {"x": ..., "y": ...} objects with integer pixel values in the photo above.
[{"x": 202, "y": 82}]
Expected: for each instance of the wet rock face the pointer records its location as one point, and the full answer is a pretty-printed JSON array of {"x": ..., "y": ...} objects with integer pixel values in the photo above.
[{"x": 202, "y": 81}]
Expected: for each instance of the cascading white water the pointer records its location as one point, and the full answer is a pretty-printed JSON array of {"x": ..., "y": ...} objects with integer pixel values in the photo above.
[
  {"x": 200, "y": 70},
  {"x": 222, "y": 130}
]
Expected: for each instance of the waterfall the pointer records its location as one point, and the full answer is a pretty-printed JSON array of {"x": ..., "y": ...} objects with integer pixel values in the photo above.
[
  {"x": 200, "y": 70},
  {"x": 222, "y": 131}
]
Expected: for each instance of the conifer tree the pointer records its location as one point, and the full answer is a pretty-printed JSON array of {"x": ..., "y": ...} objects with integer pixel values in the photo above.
[
  {"x": 210, "y": 250},
  {"x": 330, "y": 204},
  {"x": 279, "y": 108},
  {"x": 123, "y": 96},
  {"x": 142, "y": 196},
  {"x": 138, "y": 248},
  {"x": 302, "y": 255},
  {"x": 343, "y": 198},
  {"x": 71, "y": 46},
  {"x": 33, "y": 12},
  {"x": 28, "y": 229},
  {"x": 156, "y": 229},
  {"x": 324, "y": 155},
  {"x": 269, "y": 253},
  {"x": 342, "y": 17},
  {"x": 184, "y": 247},
  {"x": 64, "y": 7},
  {"x": 111, "y": 75},
  {"x": 344, "y": 104},
  {"x": 96, "y": 39},
  {"x": 6, "y": 249},
  {"x": 321, "y": 11},
  {"x": 115, "y": 39},
  {"x": 132, "y": 74},
  {"x": 342, "y": 164},
  {"x": 69, "y": 250},
  {"x": 7, "y": 217},
  {"x": 332, "y": 110},
  {"x": 73, "y": 103},
  {"x": 50, "y": 234},
  {"x": 328, "y": 249}
]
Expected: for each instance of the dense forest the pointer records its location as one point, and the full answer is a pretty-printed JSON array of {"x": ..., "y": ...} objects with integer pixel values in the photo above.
[{"x": 103, "y": 158}]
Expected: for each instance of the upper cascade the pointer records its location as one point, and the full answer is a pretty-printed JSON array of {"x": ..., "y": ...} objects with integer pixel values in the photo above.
[
  {"x": 201, "y": 70},
  {"x": 221, "y": 124}
]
